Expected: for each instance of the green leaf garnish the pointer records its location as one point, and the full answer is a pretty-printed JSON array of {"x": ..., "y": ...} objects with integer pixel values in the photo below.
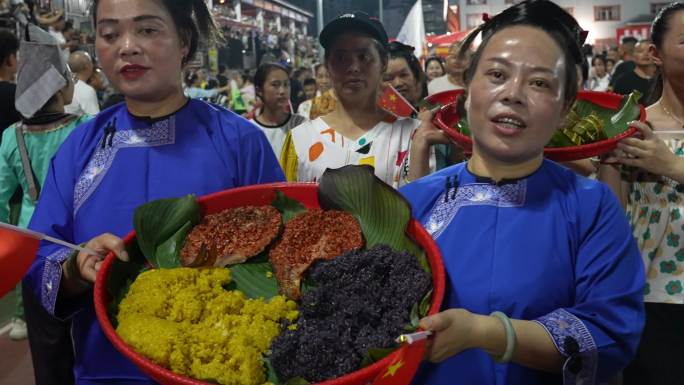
[
  {"x": 559, "y": 139},
  {"x": 629, "y": 111},
  {"x": 424, "y": 306},
  {"x": 168, "y": 253},
  {"x": 162, "y": 221},
  {"x": 463, "y": 127},
  {"x": 254, "y": 277},
  {"x": 288, "y": 207},
  {"x": 586, "y": 116},
  {"x": 414, "y": 316},
  {"x": 381, "y": 211},
  {"x": 270, "y": 372},
  {"x": 375, "y": 355}
]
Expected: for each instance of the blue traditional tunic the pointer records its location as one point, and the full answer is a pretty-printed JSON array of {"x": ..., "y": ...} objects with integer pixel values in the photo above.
[
  {"x": 552, "y": 247},
  {"x": 111, "y": 165}
]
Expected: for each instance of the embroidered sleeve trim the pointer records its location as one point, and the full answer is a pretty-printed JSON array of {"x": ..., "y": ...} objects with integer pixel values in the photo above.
[
  {"x": 574, "y": 341},
  {"x": 52, "y": 276}
]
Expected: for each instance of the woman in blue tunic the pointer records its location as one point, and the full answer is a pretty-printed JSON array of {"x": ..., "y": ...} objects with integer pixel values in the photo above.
[
  {"x": 158, "y": 144},
  {"x": 545, "y": 279}
]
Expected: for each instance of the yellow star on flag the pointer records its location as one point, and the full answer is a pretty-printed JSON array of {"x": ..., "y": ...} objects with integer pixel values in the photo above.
[
  {"x": 393, "y": 98},
  {"x": 392, "y": 369}
]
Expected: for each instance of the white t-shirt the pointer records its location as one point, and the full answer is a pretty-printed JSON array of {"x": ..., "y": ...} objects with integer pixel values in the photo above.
[
  {"x": 385, "y": 147},
  {"x": 276, "y": 134},
  {"x": 304, "y": 108},
  {"x": 84, "y": 101},
  {"x": 441, "y": 84},
  {"x": 599, "y": 84}
]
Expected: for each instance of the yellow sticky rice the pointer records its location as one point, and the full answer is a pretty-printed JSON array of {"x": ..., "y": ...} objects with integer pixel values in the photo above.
[{"x": 183, "y": 319}]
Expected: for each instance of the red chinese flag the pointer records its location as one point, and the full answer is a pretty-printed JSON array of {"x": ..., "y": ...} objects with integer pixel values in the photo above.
[
  {"x": 392, "y": 101},
  {"x": 403, "y": 367},
  {"x": 17, "y": 252}
]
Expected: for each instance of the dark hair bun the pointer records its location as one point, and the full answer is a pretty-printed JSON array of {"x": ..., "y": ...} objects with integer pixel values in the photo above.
[{"x": 544, "y": 14}]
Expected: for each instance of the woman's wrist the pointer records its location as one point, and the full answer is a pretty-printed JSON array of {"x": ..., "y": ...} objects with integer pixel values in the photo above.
[
  {"x": 675, "y": 170},
  {"x": 73, "y": 281},
  {"x": 420, "y": 142},
  {"x": 489, "y": 334}
]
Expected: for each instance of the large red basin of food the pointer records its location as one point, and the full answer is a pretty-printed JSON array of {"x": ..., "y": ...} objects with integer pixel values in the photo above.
[{"x": 307, "y": 193}]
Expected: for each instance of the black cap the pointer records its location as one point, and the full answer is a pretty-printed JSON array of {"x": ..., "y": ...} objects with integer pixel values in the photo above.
[{"x": 355, "y": 21}]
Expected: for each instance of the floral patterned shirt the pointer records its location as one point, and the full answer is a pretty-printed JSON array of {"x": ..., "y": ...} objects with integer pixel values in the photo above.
[{"x": 655, "y": 208}]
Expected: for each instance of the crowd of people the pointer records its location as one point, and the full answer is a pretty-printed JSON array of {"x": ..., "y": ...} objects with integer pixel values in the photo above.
[{"x": 552, "y": 277}]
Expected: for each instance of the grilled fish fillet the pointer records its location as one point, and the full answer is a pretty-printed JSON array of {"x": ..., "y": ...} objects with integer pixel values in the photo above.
[
  {"x": 308, "y": 237},
  {"x": 231, "y": 236}
]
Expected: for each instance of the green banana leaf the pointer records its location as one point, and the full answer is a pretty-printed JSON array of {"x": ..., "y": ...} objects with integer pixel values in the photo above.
[
  {"x": 254, "y": 278},
  {"x": 613, "y": 122},
  {"x": 270, "y": 372},
  {"x": 463, "y": 127},
  {"x": 418, "y": 311},
  {"x": 161, "y": 227},
  {"x": 168, "y": 253},
  {"x": 414, "y": 317},
  {"x": 289, "y": 208},
  {"x": 559, "y": 139},
  {"x": 375, "y": 355},
  {"x": 629, "y": 111},
  {"x": 382, "y": 212}
]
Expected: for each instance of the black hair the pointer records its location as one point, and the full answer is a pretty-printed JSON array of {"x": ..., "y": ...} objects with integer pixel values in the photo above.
[
  {"x": 542, "y": 14},
  {"x": 434, "y": 58},
  {"x": 9, "y": 45},
  {"x": 309, "y": 82},
  {"x": 599, "y": 57},
  {"x": 402, "y": 51},
  {"x": 221, "y": 68},
  {"x": 629, "y": 40},
  {"x": 193, "y": 21},
  {"x": 659, "y": 29},
  {"x": 262, "y": 74}
]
